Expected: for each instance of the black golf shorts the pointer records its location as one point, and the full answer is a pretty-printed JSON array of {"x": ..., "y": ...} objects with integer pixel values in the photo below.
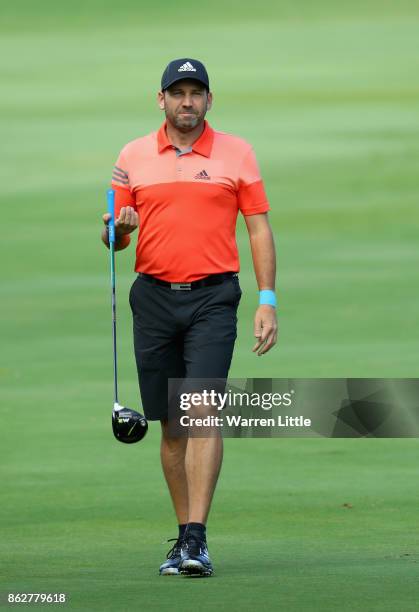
[{"x": 181, "y": 334}]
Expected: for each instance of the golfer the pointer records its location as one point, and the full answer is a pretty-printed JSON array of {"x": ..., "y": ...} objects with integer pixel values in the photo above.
[{"x": 183, "y": 186}]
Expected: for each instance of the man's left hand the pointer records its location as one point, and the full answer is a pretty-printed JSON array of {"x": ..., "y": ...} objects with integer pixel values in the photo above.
[{"x": 266, "y": 329}]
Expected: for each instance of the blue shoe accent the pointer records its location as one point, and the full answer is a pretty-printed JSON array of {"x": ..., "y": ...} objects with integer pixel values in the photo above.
[
  {"x": 171, "y": 566},
  {"x": 195, "y": 560}
]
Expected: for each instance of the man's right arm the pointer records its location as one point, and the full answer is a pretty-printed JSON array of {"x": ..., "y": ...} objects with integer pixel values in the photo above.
[
  {"x": 125, "y": 205},
  {"x": 126, "y": 223}
]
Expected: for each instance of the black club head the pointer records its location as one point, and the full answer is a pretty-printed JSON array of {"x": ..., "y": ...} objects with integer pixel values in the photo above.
[{"x": 128, "y": 425}]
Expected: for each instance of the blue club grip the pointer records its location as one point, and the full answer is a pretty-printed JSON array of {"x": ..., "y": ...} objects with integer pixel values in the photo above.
[{"x": 111, "y": 210}]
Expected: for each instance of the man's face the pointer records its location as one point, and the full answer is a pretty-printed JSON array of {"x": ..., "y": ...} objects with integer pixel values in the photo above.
[{"x": 185, "y": 104}]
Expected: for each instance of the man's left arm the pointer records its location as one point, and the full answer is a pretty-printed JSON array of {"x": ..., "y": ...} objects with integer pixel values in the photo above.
[{"x": 264, "y": 262}]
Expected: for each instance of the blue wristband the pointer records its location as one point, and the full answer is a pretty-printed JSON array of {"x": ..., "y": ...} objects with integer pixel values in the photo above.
[{"x": 267, "y": 296}]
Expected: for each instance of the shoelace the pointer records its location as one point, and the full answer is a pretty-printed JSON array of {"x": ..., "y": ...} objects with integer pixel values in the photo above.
[{"x": 175, "y": 550}]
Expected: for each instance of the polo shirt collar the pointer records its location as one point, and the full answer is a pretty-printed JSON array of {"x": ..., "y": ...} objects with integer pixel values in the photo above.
[{"x": 202, "y": 146}]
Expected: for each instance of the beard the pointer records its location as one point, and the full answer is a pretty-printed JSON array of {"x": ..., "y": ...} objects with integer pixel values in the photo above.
[{"x": 185, "y": 123}]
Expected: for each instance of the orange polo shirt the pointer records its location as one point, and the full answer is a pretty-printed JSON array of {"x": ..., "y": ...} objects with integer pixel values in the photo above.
[{"x": 188, "y": 201}]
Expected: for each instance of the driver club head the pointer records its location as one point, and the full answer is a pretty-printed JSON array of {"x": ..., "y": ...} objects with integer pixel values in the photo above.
[{"x": 128, "y": 425}]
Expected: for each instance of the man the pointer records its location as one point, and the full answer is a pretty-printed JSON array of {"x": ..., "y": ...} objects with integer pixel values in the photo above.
[{"x": 184, "y": 185}]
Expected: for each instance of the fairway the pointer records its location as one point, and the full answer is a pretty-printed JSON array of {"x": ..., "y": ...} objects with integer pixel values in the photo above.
[
  {"x": 89, "y": 518},
  {"x": 329, "y": 98}
]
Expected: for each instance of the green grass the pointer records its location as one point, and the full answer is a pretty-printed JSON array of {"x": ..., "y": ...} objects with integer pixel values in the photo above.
[
  {"x": 92, "y": 523},
  {"x": 328, "y": 95}
]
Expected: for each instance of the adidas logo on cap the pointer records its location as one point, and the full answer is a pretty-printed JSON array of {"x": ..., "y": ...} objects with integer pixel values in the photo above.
[{"x": 187, "y": 67}]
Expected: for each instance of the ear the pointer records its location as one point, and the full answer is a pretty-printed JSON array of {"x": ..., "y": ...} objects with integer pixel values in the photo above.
[
  {"x": 160, "y": 100},
  {"x": 209, "y": 100}
]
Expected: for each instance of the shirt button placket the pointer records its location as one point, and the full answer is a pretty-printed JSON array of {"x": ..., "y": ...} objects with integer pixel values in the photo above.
[{"x": 179, "y": 168}]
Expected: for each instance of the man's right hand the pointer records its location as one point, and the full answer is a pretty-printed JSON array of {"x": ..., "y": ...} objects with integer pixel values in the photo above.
[{"x": 126, "y": 223}]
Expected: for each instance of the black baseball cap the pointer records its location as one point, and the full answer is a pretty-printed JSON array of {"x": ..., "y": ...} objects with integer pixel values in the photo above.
[{"x": 184, "y": 68}]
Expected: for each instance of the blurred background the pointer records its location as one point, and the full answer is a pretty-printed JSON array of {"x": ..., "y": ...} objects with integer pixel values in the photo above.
[{"x": 328, "y": 95}]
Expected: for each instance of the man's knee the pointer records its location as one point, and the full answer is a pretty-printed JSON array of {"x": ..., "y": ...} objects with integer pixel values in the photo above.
[{"x": 175, "y": 444}]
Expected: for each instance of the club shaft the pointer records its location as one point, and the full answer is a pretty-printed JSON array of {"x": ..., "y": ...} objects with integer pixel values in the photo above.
[
  {"x": 113, "y": 293},
  {"x": 111, "y": 228}
]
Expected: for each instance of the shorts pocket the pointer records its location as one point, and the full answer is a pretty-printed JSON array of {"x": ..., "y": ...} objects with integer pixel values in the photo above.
[
  {"x": 131, "y": 294},
  {"x": 237, "y": 288}
]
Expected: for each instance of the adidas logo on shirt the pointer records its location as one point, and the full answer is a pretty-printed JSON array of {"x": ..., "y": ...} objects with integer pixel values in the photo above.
[
  {"x": 187, "y": 68},
  {"x": 202, "y": 176}
]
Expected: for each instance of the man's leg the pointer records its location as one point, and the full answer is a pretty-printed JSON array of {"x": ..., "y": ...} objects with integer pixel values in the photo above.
[
  {"x": 208, "y": 348},
  {"x": 159, "y": 356},
  {"x": 172, "y": 453},
  {"x": 203, "y": 463}
]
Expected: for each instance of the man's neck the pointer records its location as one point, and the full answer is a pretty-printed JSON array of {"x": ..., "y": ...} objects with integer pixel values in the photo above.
[{"x": 183, "y": 140}]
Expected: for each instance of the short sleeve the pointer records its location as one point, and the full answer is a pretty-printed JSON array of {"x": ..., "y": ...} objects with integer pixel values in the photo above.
[
  {"x": 121, "y": 185},
  {"x": 252, "y": 198}
]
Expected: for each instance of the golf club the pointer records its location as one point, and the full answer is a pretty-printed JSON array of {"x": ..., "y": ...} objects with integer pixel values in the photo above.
[{"x": 128, "y": 425}]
